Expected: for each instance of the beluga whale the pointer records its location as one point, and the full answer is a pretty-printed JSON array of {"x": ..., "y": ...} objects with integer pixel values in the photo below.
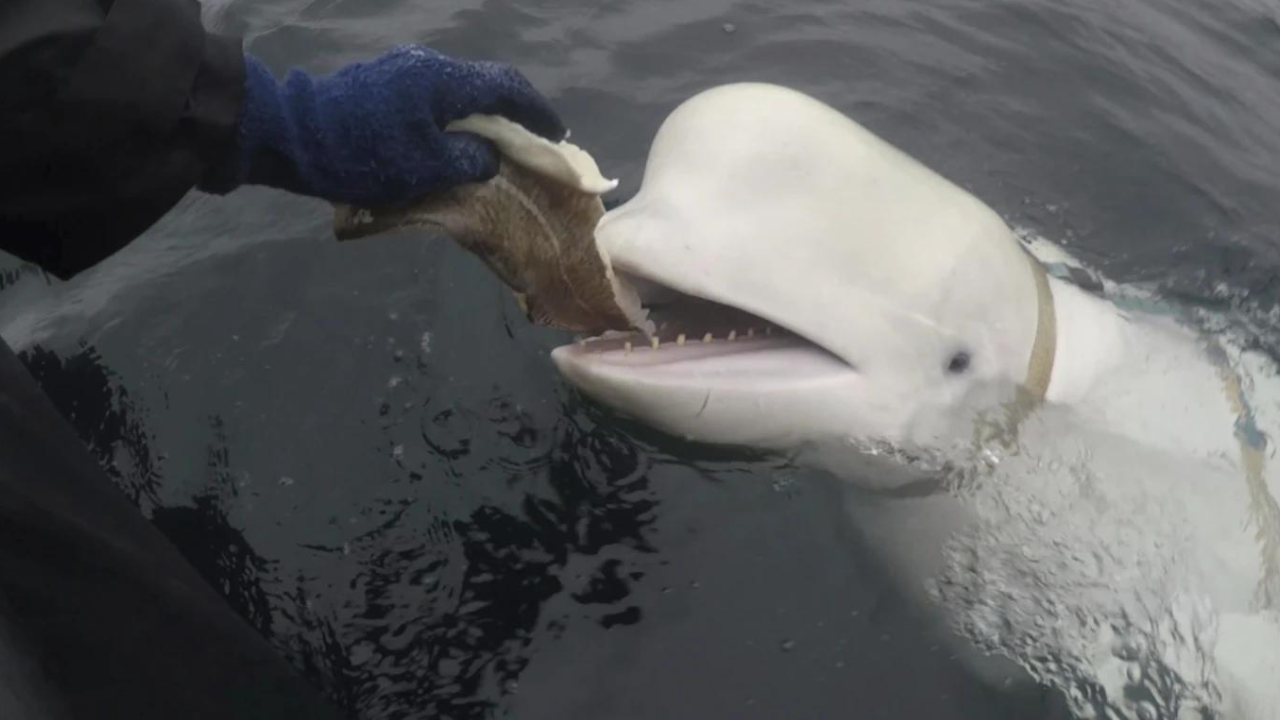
[{"x": 1072, "y": 480}]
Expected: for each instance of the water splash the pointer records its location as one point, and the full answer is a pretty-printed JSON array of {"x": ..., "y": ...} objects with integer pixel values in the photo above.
[{"x": 1084, "y": 565}]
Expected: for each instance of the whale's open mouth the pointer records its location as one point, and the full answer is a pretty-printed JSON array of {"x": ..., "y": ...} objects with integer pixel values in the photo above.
[
  {"x": 712, "y": 371},
  {"x": 689, "y": 328}
]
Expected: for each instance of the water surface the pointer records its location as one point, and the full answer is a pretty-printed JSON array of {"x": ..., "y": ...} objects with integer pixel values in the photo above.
[{"x": 368, "y": 451}]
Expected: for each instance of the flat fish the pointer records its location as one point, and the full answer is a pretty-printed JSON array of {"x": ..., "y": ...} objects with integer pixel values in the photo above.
[{"x": 533, "y": 225}]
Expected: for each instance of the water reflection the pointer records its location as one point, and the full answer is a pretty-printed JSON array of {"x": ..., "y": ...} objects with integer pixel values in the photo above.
[
  {"x": 436, "y": 618},
  {"x": 104, "y": 415},
  {"x": 222, "y": 555},
  {"x": 446, "y": 621}
]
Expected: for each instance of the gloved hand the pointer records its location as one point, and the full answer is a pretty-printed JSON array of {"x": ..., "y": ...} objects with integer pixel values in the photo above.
[{"x": 374, "y": 132}]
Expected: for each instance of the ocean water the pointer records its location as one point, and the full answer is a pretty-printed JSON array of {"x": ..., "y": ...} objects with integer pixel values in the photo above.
[{"x": 367, "y": 450}]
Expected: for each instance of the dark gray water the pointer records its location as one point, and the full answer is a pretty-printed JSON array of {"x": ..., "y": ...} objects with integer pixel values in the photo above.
[{"x": 367, "y": 450}]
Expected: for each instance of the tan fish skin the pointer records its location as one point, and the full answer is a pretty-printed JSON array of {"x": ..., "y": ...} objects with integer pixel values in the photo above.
[{"x": 536, "y": 234}]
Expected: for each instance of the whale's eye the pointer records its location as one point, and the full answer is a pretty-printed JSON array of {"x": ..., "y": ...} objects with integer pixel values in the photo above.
[{"x": 959, "y": 363}]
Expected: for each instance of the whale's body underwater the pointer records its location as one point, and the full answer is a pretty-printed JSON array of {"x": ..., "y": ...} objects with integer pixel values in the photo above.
[{"x": 814, "y": 290}]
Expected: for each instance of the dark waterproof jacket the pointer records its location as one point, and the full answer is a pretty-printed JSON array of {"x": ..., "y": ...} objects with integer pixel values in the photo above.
[{"x": 110, "y": 112}]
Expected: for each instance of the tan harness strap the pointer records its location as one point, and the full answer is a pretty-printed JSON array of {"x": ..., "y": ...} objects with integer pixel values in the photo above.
[{"x": 1040, "y": 367}]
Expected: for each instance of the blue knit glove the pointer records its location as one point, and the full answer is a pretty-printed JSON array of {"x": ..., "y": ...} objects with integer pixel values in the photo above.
[{"x": 374, "y": 132}]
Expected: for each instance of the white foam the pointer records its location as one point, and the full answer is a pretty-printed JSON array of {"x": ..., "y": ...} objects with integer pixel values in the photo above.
[{"x": 1091, "y": 562}]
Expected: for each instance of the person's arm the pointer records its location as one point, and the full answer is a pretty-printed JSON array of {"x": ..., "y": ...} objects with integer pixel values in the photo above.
[
  {"x": 107, "y": 120},
  {"x": 111, "y": 112}
]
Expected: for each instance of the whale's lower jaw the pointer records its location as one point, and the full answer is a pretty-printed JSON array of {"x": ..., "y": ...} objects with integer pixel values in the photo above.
[{"x": 727, "y": 392}]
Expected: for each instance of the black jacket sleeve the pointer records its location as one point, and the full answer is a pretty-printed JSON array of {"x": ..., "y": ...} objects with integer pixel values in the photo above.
[{"x": 111, "y": 111}]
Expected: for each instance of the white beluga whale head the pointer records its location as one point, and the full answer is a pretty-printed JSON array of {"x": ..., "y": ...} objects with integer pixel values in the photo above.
[
  {"x": 808, "y": 281},
  {"x": 810, "y": 284}
]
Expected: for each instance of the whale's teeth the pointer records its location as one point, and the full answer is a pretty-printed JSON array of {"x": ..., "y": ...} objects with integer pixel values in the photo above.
[
  {"x": 655, "y": 342},
  {"x": 706, "y": 338},
  {"x": 733, "y": 335},
  {"x": 680, "y": 339},
  {"x": 627, "y": 347}
]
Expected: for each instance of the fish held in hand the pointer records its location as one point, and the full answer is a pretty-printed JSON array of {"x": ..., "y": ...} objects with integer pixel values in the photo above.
[{"x": 533, "y": 225}]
